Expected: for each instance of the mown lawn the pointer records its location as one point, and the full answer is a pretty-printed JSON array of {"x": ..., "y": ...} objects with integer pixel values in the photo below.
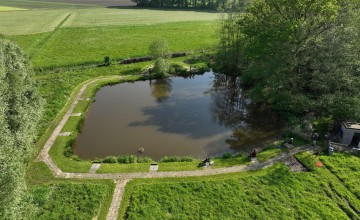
[
  {"x": 135, "y": 16},
  {"x": 347, "y": 168},
  {"x": 273, "y": 193},
  {"x": 6, "y": 8},
  {"x": 73, "y": 46},
  {"x": 30, "y": 21}
]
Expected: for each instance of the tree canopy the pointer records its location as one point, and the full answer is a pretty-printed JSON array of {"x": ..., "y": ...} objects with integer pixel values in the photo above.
[
  {"x": 299, "y": 56},
  {"x": 20, "y": 110}
]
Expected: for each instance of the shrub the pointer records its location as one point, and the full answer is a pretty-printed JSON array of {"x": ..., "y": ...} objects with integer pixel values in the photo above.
[
  {"x": 80, "y": 124},
  {"x": 227, "y": 155},
  {"x": 167, "y": 159},
  {"x": 107, "y": 61},
  {"x": 110, "y": 159},
  {"x": 161, "y": 67},
  {"x": 68, "y": 152}
]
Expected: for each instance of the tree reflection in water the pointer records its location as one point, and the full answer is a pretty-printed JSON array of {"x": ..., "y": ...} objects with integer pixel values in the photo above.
[
  {"x": 161, "y": 89},
  {"x": 251, "y": 124}
]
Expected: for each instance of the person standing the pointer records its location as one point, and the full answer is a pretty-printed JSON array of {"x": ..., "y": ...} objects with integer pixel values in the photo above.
[{"x": 315, "y": 138}]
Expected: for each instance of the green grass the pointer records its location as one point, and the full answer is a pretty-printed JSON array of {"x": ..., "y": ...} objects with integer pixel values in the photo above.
[
  {"x": 67, "y": 164},
  {"x": 6, "y": 8},
  {"x": 347, "y": 168},
  {"x": 41, "y": 4},
  {"x": 106, "y": 17},
  {"x": 30, "y": 21},
  {"x": 74, "y": 46},
  {"x": 273, "y": 193},
  {"x": 123, "y": 168},
  {"x": 179, "y": 166},
  {"x": 270, "y": 152},
  {"x": 72, "y": 200}
]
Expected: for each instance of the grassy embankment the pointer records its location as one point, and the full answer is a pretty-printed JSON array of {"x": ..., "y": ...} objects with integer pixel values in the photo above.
[
  {"x": 273, "y": 193},
  {"x": 347, "y": 168}
]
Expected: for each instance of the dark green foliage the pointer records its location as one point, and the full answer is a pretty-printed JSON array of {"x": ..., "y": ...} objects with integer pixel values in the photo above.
[
  {"x": 227, "y": 155},
  {"x": 69, "y": 201},
  {"x": 20, "y": 110},
  {"x": 110, "y": 159},
  {"x": 107, "y": 61},
  {"x": 300, "y": 64},
  {"x": 126, "y": 159},
  {"x": 202, "y": 4},
  {"x": 176, "y": 159}
]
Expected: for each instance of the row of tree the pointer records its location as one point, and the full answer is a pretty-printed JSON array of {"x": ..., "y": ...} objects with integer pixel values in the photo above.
[
  {"x": 20, "y": 110},
  {"x": 298, "y": 56},
  {"x": 208, "y": 4}
]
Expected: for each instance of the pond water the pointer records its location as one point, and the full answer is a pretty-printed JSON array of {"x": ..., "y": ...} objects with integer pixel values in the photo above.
[{"x": 202, "y": 115}]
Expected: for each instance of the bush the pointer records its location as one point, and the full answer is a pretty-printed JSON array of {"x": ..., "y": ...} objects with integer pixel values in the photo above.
[
  {"x": 161, "y": 67},
  {"x": 80, "y": 124},
  {"x": 68, "y": 152},
  {"x": 107, "y": 61},
  {"x": 167, "y": 159},
  {"x": 227, "y": 155},
  {"x": 110, "y": 159}
]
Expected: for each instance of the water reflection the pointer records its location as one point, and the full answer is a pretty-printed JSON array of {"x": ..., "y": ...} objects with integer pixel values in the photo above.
[
  {"x": 161, "y": 89},
  {"x": 175, "y": 116}
]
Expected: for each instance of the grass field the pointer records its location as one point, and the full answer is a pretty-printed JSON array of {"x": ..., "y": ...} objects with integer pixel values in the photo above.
[
  {"x": 6, "y": 8},
  {"x": 72, "y": 46},
  {"x": 72, "y": 200},
  {"x": 347, "y": 168},
  {"x": 43, "y": 4},
  {"x": 37, "y": 21},
  {"x": 134, "y": 16},
  {"x": 274, "y": 193},
  {"x": 30, "y": 21}
]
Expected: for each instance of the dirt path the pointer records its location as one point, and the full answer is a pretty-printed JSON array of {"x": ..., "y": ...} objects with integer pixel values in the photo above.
[{"x": 122, "y": 178}]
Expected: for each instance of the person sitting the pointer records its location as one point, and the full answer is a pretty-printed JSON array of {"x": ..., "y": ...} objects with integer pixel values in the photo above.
[
  {"x": 253, "y": 153},
  {"x": 289, "y": 141}
]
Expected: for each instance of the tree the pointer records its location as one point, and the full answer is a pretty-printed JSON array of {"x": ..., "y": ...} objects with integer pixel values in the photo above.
[
  {"x": 301, "y": 56},
  {"x": 159, "y": 50},
  {"x": 20, "y": 110}
]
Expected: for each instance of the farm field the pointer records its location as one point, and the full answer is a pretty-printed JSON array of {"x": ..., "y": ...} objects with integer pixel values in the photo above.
[{"x": 273, "y": 193}]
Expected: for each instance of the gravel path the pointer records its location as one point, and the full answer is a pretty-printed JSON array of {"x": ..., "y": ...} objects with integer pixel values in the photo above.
[
  {"x": 122, "y": 178},
  {"x": 116, "y": 200}
]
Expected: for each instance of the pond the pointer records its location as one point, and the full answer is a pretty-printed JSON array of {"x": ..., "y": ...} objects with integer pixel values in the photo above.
[{"x": 201, "y": 115}]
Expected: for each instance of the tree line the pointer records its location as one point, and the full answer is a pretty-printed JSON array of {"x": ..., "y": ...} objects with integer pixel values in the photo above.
[
  {"x": 201, "y": 4},
  {"x": 20, "y": 110},
  {"x": 300, "y": 57}
]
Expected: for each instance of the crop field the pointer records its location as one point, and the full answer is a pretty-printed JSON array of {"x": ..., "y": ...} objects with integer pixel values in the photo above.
[{"x": 274, "y": 193}]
